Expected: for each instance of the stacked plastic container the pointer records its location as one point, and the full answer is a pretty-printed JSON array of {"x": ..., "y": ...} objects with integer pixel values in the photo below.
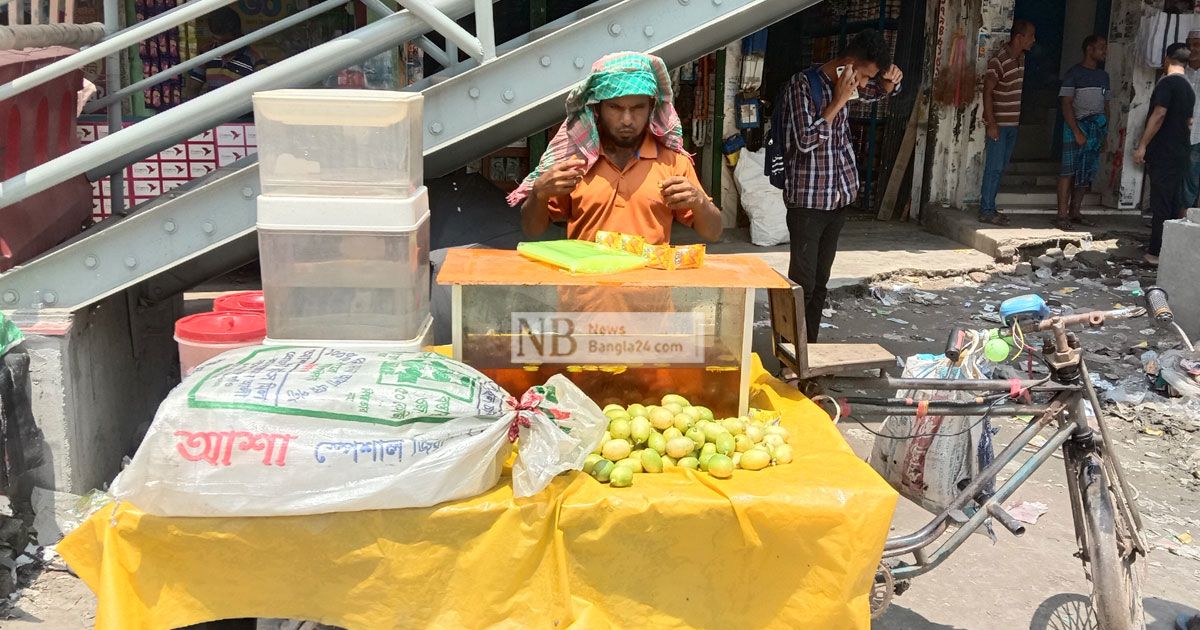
[{"x": 343, "y": 221}]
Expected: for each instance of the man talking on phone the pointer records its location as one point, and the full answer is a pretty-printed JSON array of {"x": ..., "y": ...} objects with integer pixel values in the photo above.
[{"x": 821, "y": 168}]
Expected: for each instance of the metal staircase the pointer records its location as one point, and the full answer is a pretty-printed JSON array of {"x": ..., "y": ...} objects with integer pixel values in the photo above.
[{"x": 503, "y": 93}]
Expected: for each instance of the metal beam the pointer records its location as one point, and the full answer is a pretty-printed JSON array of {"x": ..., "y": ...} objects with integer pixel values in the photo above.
[
  {"x": 220, "y": 51},
  {"x": 183, "y": 224}
]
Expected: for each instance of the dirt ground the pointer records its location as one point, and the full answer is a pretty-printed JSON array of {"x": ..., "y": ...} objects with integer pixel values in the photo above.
[{"x": 1031, "y": 581}]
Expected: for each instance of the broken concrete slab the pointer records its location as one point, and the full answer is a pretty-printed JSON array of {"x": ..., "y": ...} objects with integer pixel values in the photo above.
[
  {"x": 1045, "y": 262},
  {"x": 1096, "y": 259},
  {"x": 1025, "y": 231}
]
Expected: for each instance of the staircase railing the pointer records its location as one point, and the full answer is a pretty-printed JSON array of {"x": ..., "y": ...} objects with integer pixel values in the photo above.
[{"x": 108, "y": 156}]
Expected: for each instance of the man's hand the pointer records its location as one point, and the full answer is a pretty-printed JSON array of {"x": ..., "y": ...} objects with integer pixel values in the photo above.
[
  {"x": 1080, "y": 139},
  {"x": 845, "y": 86},
  {"x": 680, "y": 193},
  {"x": 892, "y": 77},
  {"x": 560, "y": 180},
  {"x": 993, "y": 131},
  {"x": 1139, "y": 155}
]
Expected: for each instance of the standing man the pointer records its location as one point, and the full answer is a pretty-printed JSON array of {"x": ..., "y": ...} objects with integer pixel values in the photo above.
[
  {"x": 1165, "y": 145},
  {"x": 821, "y": 169},
  {"x": 1002, "y": 114},
  {"x": 1085, "y": 94},
  {"x": 1191, "y": 183}
]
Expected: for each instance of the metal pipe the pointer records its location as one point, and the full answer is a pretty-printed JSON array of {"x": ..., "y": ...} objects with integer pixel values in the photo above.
[
  {"x": 1002, "y": 494},
  {"x": 892, "y": 383},
  {"x": 112, "y": 153},
  {"x": 113, "y": 44},
  {"x": 941, "y": 410},
  {"x": 112, "y": 81},
  {"x": 449, "y": 29},
  {"x": 219, "y": 51},
  {"x": 435, "y": 53},
  {"x": 912, "y": 403},
  {"x": 485, "y": 30},
  {"x": 1005, "y": 519},
  {"x": 44, "y": 35},
  {"x": 378, "y": 8},
  {"x": 901, "y": 545},
  {"x": 1110, "y": 454}
]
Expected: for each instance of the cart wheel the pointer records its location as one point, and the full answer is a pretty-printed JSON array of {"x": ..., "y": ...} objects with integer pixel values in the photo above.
[
  {"x": 882, "y": 591},
  {"x": 1111, "y": 561}
]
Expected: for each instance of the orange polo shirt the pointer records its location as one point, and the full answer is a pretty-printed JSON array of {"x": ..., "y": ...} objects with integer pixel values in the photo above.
[{"x": 627, "y": 201}]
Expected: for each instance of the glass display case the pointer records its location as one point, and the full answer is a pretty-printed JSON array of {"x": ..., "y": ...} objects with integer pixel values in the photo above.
[{"x": 624, "y": 338}]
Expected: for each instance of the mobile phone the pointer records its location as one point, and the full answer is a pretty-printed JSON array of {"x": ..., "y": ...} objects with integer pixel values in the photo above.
[{"x": 854, "y": 94}]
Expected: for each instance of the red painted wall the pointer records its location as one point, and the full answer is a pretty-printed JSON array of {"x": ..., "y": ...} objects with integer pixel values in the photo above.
[{"x": 37, "y": 126}]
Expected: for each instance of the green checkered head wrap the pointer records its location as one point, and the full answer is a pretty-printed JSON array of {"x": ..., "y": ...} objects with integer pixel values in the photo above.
[{"x": 613, "y": 76}]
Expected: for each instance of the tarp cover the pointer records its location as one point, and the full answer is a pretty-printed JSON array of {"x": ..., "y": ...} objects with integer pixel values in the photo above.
[{"x": 794, "y": 546}]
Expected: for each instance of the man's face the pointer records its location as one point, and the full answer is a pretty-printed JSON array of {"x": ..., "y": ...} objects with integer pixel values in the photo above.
[
  {"x": 1194, "y": 46},
  {"x": 866, "y": 71},
  {"x": 1098, "y": 52},
  {"x": 1026, "y": 40},
  {"x": 623, "y": 120}
]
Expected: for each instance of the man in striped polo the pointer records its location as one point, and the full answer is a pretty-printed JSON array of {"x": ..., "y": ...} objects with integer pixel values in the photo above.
[{"x": 1002, "y": 114}]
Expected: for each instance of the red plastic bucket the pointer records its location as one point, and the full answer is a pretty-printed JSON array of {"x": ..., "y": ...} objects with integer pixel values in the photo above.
[
  {"x": 242, "y": 301},
  {"x": 206, "y": 335}
]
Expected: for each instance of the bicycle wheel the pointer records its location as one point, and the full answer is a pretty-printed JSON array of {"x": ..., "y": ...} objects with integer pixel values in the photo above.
[{"x": 1112, "y": 563}]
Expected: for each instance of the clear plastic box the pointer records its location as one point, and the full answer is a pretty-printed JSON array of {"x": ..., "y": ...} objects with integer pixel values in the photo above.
[
  {"x": 341, "y": 284},
  {"x": 351, "y": 143}
]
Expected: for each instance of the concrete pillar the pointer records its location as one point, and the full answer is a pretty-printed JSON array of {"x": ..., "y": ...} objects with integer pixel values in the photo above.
[
  {"x": 1132, "y": 82},
  {"x": 733, "y": 73},
  {"x": 959, "y": 132},
  {"x": 1179, "y": 270},
  {"x": 98, "y": 377}
]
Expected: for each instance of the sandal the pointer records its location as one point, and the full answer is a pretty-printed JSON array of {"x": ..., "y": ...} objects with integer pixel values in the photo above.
[
  {"x": 994, "y": 219},
  {"x": 1079, "y": 219},
  {"x": 1064, "y": 224}
]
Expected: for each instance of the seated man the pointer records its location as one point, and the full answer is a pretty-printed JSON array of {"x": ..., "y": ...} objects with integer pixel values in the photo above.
[
  {"x": 618, "y": 163},
  {"x": 225, "y": 26}
]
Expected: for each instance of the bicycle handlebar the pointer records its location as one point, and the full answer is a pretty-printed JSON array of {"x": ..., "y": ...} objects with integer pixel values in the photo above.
[{"x": 1093, "y": 319}]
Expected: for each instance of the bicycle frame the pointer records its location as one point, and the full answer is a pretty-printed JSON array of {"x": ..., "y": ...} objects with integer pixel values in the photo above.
[{"x": 1074, "y": 435}]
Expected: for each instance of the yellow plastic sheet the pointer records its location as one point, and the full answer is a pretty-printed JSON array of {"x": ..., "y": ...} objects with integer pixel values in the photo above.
[{"x": 793, "y": 546}]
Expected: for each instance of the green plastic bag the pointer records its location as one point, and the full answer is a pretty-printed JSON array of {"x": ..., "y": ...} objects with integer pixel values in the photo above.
[
  {"x": 10, "y": 335},
  {"x": 581, "y": 256}
]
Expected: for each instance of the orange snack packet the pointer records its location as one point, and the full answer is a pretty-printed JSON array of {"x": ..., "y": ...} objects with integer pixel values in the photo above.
[
  {"x": 659, "y": 256},
  {"x": 688, "y": 256}
]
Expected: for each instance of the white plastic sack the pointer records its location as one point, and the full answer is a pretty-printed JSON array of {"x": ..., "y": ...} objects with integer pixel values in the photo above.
[
  {"x": 927, "y": 469},
  {"x": 288, "y": 430},
  {"x": 762, "y": 201}
]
